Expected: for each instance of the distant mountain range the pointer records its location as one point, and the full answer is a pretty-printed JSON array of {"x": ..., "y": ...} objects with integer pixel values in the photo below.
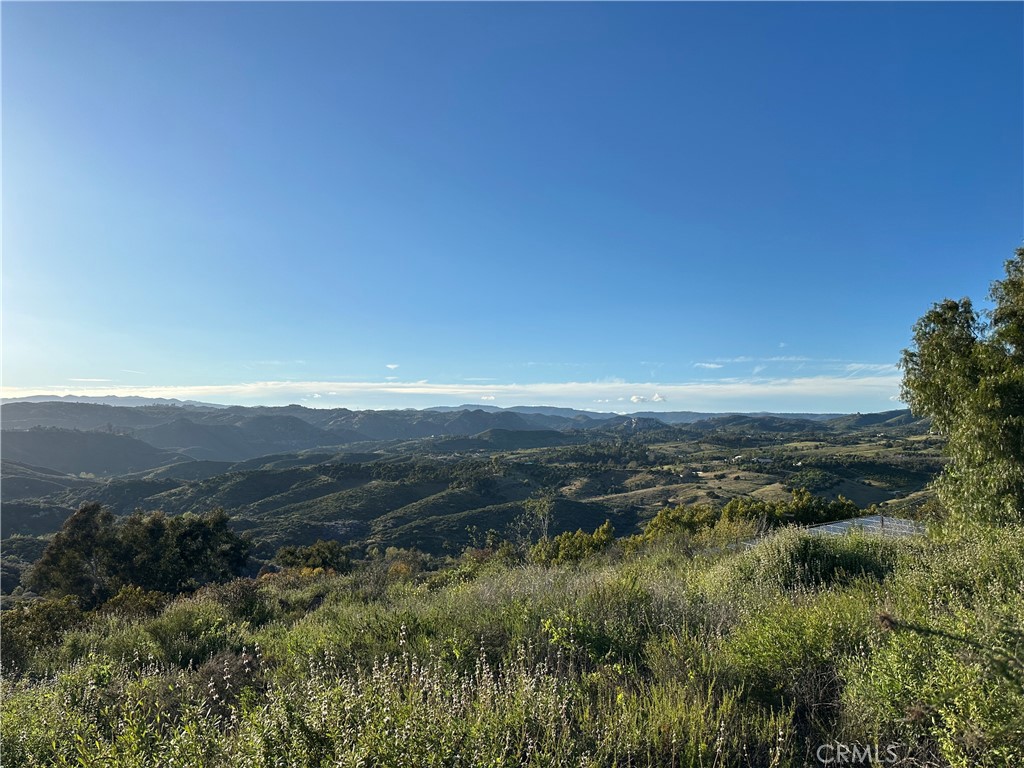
[
  {"x": 105, "y": 440},
  {"x": 667, "y": 417},
  {"x": 130, "y": 400}
]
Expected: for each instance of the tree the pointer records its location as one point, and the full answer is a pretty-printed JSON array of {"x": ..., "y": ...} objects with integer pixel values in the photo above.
[
  {"x": 320, "y": 554},
  {"x": 539, "y": 511},
  {"x": 202, "y": 549},
  {"x": 570, "y": 547},
  {"x": 180, "y": 553},
  {"x": 93, "y": 556},
  {"x": 82, "y": 559},
  {"x": 965, "y": 370},
  {"x": 681, "y": 519}
]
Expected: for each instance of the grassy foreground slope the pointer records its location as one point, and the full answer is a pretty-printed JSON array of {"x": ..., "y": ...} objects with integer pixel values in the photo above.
[{"x": 670, "y": 650}]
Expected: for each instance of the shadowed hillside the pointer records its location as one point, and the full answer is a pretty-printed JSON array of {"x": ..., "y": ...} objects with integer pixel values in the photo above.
[{"x": 95, "y": 453}]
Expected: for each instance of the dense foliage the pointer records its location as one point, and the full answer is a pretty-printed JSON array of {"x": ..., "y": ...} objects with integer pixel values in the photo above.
[
  {"x": 320, "y": 554},
  {"x": 966, "y": 371},
  {"x": 803, "y": 508},
  {"x": 94, "y": 555}
]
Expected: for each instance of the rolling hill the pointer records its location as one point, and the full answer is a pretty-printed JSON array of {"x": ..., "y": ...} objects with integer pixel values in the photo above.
[
  {"x": 92, "y": 453},
  {"x": 422, "y": 478}
]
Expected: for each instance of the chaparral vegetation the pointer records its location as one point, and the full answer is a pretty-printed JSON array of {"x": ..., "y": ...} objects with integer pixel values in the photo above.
[{"x": 691, "y": 621}]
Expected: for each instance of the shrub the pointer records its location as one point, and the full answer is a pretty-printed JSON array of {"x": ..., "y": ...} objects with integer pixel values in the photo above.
[
  {"x": 789, "y": 654},
  {"x": 609, "y": 622},
  {"x": 572, "y": 547},
  {"x": 331, "y": 555},
  {"x": 948, "y": 678},
  {"x": 34, "y": 625},
  {"x": 191, "y": 631},
  {"x": 226, "y": 677},
  {"x": 681, "y": 519},
  {"x": 244, "y": 600},
  {"x": 792, "y": 558},
  {"x": 135, "y": 602}
]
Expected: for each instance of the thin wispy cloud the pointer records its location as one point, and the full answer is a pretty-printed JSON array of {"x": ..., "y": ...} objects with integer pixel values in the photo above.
[
  {"x": 709, "y": 366},
  {"x": 860, "y": 390},
  {"x": 391, "y": 366},
  {"x": 91, "y": 380},
  {"x": 769, "y": 359},
  {"x": 546, "y": 364},
  {"x": 873, "y": 367}
]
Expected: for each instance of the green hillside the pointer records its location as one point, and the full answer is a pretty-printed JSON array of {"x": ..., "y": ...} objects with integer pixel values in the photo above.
[
  {"x": 93, "y": 453},
  {"x": 432, "y": 493},
  {"x": 21, "y": 481}
]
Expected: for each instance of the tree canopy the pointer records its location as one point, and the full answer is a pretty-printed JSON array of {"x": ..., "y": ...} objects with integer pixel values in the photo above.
[
  {"x": 94, "y": 555},
  {"x": 965, "y": 370}
]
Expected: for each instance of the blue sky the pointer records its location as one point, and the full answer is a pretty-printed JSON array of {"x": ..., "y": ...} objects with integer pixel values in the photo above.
[{"x": 692, "y": 206}]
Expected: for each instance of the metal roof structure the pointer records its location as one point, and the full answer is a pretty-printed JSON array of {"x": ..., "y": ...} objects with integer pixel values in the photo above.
[
  {"x": 881, "y": 525},
  {"x": 892, "y": 527}
]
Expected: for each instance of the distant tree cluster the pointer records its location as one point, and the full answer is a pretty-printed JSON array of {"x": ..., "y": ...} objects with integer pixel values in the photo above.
[
  {"x": 608, "y": 453},
  {"x": 812, "y": 479},
  {"x": 572, "y": 547},
  {"x": 94, "y": 555},
  {"x": 801, "y": 508},
  {"x": 329, "y": 555},
  {"x": 683, "y": 518}
]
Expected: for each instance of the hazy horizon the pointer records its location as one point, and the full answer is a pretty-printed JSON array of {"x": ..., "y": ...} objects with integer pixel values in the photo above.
[
  {"x": 634, "y": 408},
  {"x": 714, "y": 397},
  {"x": 687, "y": 206}
]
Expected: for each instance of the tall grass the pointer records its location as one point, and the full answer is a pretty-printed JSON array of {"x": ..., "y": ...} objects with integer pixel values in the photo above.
[{"x": 650, "y": 656}]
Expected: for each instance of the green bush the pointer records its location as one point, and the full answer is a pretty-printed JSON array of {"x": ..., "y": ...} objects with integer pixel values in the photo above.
[
  {"x": 191, "y": 631},
  {"x": 244, "y": 600},
  {"x": 789, "y": 654},
  {"x": 572, "y": 547},
  {"x": 681, "y": 519},
  {"x": 609, "y": 622},
  {"x": 135, "y": 602},
  {"x": 802, "y": 507},
  {"x": 948, "y": 677},
  {"x": 792, "y": 558},
  {"x": 34, "y": 625},
  {"x": 320, "y": 554}
]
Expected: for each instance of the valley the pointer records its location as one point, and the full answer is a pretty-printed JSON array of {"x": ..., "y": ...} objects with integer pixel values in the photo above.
[{"x": 434, "y": 480}]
